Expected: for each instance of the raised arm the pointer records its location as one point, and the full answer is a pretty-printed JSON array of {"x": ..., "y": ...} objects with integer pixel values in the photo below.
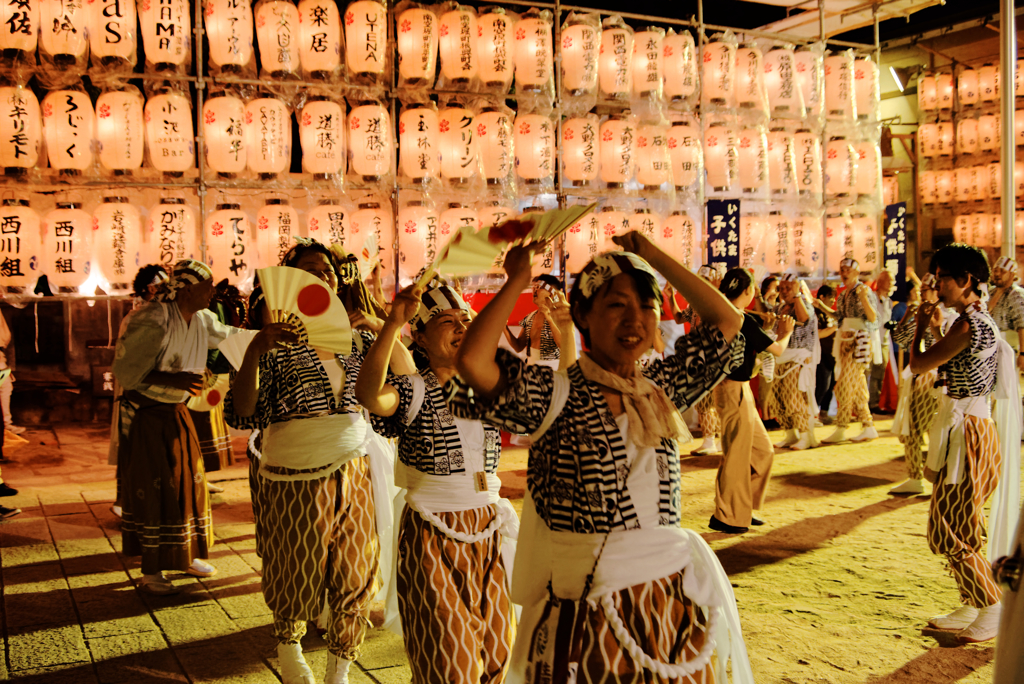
[
  {"x": 864, "y": 294},
  {"x": 246, "y": 387},
  {"x": 786, "y": 325},
  {"x": 372, "y": 391},
  {"x": 955, "y": 341}
]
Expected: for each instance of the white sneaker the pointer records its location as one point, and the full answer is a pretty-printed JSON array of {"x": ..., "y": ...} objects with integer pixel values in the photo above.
[
  {"x": 838, "y": 436},
  {"x": 958, "y": 619},
  {"x": 866, "y": 435},
  {"x": 201, "y": 568},
  {"x": 791, "y": 438},
  {"x": 984, "y": 627},
  {"x": 116, "y": 510},
  {"x": 337, "y": 670},
  {"x": 706, "y": 447},
  {"x": 214, "y": 489},
  {"x": 294, "y": 669},
  {"x": 909, "y": 487}
]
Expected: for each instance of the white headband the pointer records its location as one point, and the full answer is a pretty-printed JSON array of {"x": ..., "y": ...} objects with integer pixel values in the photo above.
[
  {"x": 606, "y": 266},
  {"x": 851, "y": 263},
  {"x": 439, "y": 298}
]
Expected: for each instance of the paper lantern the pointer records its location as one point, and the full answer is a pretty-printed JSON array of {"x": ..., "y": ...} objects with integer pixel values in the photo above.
[
  {"x": 840, "y": 99},
  {"x": 808, "y": 163},
  {"x": 840, "y": 167},
  {"x": 928, "y": 139},
  {"x": 417, "y": 238},
  {"x": 988, "y": 83},
  {"x": 533, "y": 51},
  {"x": 890, "y": 190},
  {"x": 612, "y": 222},
  {"x": 721, "y": 156},
  {"x": 945, "y": 182},
  {"x": 21, "y": 129},
  {"x": 979, "y": 182},
  {"x": 614, "y": 64},
  {"x": 277, "y": 225},
  {"x": 373, "y": 238},
  {"x": 495, "y": 142},
  {"x": 1018, "y": 127},
  {"x": 753, "y": 160},
  {"x": 684, "y": 233},
  {"x": 20, "y": 244},
  {"x": 277, "y": 33},
  {"x": 172, "y": 233},
  {"x": 1018, "y": 179},
  {"x": 120, "y": 129},
  {"x": 169, "y": 133},
  {"x": 617, "y": 162},
  {"x": 370, "y": 145},
  {"x": 838, "y": 240},
  {"x": 535, "y": 148},
  {"x": 753, "y": 232},
  {"x": 988, "y": 133},
  {"x": 778, "y": 244},
  {"x": 967, "y": 136},
  {"x": 64, "y": 31},
  {"x": 112, "y": 32},
  {"x": 680, "y": 66},
  {"x": 980, "y": 227},
  {"x": 581, "y": 43},
  {"x": 927, "y": 185},
  {"x": 494, "y": 213},
  {"x": 457, "y": 144},
  {"x": 945, "y": 138},
  {"x": 718, "y": 73},
  {"x": 967, "y": 87},
  {"x": 417, "y": 142},
  {"x": 322, "y": 136},
  {"x": 1018, "y": 222},
  {"x": 995, "y": 223},
  {"x": 646, "y": 62},
  {"x": 811, "y": 80},
  {"x": 581, "y": 243},
  {"x": 927, "y": 95},
  {"x": 67, "y": 245},
  {"x": 230, "y": 33},
  {"x": 543, "y": 260},
  {"x": 166, "y": 29},
  {"x": 869, "y": 167},
  {"x": 366, "y": 41},
  {"x": 1019, "y": 80},
  {"x": 224, "y": 133},
  {"x": 866, "y": 241},
  {"x": 494, "y": 51},
  {"x": 580, "y": 150},
  {"x": 653, "y": 161},
  {"x": 750, "y": 87},
  {"x": 319, "y": 38},
  {"x": 646, "y": 222},
  {"x": 22, "y": 22},
  {"x": 268, "y": 136},
  {"x": 963, "y": 191},
  {"x": 686, "y": 154},
  {"x": 866, "y": 88},
  {"x": 944, "y": 90},
  {"x": 456, "y": 216},
  {"x": 995, "y": 180},
  {"x": 229, "y": 244},
  {"x": 328, "y": 222},
  {"x": 962, "y": 228},
  {"x": 780, "y": 78},
  {"x": 417, "y": 46},
  {"x": 68, "y": 124},
  {"x": 457, "y": 44},
  {"x": 807, "y": 243},
  {"x": 117, "y": 241},
  {"x": 782, "y": 162}
]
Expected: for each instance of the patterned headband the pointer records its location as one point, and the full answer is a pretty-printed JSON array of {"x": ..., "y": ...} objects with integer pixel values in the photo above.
[
  {"x": 606, "y": 266},
  {"x": 851, "y": 263},
  {"x": 928, "y": 281},
  {"x": 789, "y": 278},
  {"x": 539, "y": 285},
  {"x": 186, "y": 272},
  {"x": 439, "y": 298},
  {"x": 706, "y": 272},
  {"x": 160, "y": 278},
  {"x": 1007, "y": 264}
]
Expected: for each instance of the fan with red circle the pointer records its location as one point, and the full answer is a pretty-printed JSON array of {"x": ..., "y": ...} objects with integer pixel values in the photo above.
[
  {"x": 300, "y": 298},
  {"x": 213, "y": 393}
]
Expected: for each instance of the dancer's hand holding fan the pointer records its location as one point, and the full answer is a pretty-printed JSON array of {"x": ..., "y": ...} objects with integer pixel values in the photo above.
[{"x": 301, "y": 299}]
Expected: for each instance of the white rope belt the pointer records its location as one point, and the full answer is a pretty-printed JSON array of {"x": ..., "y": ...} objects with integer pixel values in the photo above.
[{"x": 486, "y": 533}]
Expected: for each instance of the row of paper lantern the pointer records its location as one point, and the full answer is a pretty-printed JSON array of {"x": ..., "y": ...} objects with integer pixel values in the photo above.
[
  {"x": 985, "y": 230},
  {"x": 968, "y": 184},
  {"x": 974, "y": 135},
  {"x": 970, "y": 87}
]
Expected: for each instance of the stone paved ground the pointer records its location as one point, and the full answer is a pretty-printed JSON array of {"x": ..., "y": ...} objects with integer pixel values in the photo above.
[{"x": 835, "y": 588}]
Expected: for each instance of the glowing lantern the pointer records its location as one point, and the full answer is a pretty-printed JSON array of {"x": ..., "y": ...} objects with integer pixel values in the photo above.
[
  {"x": 456, "y": 216},
  {"x": 67, "y": 245},
  {"x": 535, "y": 148},
  {"x": 172, "y": 233},
  {"x": 753, "y": 160},
  {"x": 684, "y": 233},
  {"x": 20, "y": 248},
  {"x": 654, "y": 164},
  {"x": 617, "y": 137},
  {"x": 1019, "y": 87},
  {"x": 614, "y": 69},
  {"x": 778, "y": 244},
  {"x": 369, "y": 130},
  {"x": 995, "y": 180},
  {"x": 1018, "y": 127},
  {"x": 866, "y": 87},
  {"x": 988, "y": 83},
  {"x": 869, "y": 167},
  {"x": 277, "y": 28},
  {"x": 63, "y": 31},
  {"x": 810, "y": 78},
  {"x": 612, "y": 222},
  {"x": 945, "y": 182},
  {"x": 866, "y": 239},
  {"x": 580, "y": 150},
  {"x": 995, "y": 224},
  {"x": 928, "y": 139},
  {"x": 229, "y": 250},
  {"x": 21, "y": 129},
  {"x": 457, "y": 43},
  {"x": 533, "y": 51},
  {"x": 720, "y": 156},
  {"x": 718, "y": 74},
  {"x": 680, "y": 66},
  {"x": 366, "y": 40},
  {"x": 927, "y": 183},
  {"x": 840, "y": 167},
  {"x": 22, "y": 36},
  {"x": 494, "y": 47},
  {"x": 319, "y": 38},
  {"x": 417, "y": 238},
  {"x": 646, "y": 62},
  {"x": 112, "y": 32},
  {"x": 980, "y": 231},
  {"x": 457, "y": 144},
  {"x": 685, "y": 153},
  {"x": 945, "y": 138},
  {"x": 417, "y": 141},
  {"x": 890, "y": 190},
  {"x": 780, "y": 78},
  {"x": 963, "y": 191},
  {"x": 229, "y": 29},
  {"x": 166, "y": 28},
  {"x": 840, "y": 100},
  {"x": 927, "y": 95},
  {"x": 988, "y": 132},
  {"x": 374, "y": 229},
  {"x": 581, "y": 243},
  {"x": 967, "y": 87},
  {"x": 1018, "y": 179},
  {"x": 328, "y": 222},
  {"x": 753, "y": 229},
  {"x": 495, "y": 140},
  {"x": 68, "y": 123},
  {"x": 839, "y": 239},
  {"x": 322, "y": 136},
  {"x": 1018, "y": 222},
  {"x": 808, "y": 163},
  {"x": 646, "y": 222},
  {"x": 782, "y": 162},
  {"x": 117, "y": 241},
  {"x": 967, "y": 136},
  {"x": 750, "y": 87},
  {"x": 120, "y": 129},
  {"x": 581, "y": 43},
  {"x": 807, "y": 243},
  {"x": 169, "y": 132},
  {"x": 944, "y": 90},
  {"x": 224, "y": 133},
  {"x": 962, "y": 228},
  {"x": 979, "y": 182},
  {"x": 277, "y": 224},
  {"x": 417, "y": 46}
]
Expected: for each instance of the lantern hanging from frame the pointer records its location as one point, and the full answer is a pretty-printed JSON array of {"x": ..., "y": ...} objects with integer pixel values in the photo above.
[
  {"x": 980, "y": 230},
  {"x": 268, "y": 136},
  {"x": 680, "y": 66},
  {"x": 328, "y": 222},
  {"x": 785, "y": 97},
  {"x": 926, "y": 182},
  {"x": 869, "y": 167},
  {"x": 721, "y": 156},
  {"x": 753, "y": 160},
  {"x": 840, "y": 168},
  {"x": 277, "y": 225},
  {"x": 319, "y": 39},
  {"x": 277, "y": 34},
  {"x": 807, "y": 243},
  {"x": 20, "y": 40},
  {"x": 117, "y": 241},
  {"x": 581, "y": 242},
  {"x": 866, "y": 88},
  {"x": 457, "y": 144},
  {"x": 967, "y": 136},
  {"x": 646, "y": 63},
  {"x": 979, "y": 182},
  {"x": 535, "y": 148},
  {"x": 171, "y": 235},
  {"x": 457, "y": 215},
  {"x": 224, "y": 133},
  {"x": 927, "y": 95},
  {"x": 810, "y": 78},
  {"x": 417, "y": 238},
  {"x": 866, "y": 237},
  {"x": 686, "y": 153},
  {"x": 581, "y": 43},
  {"x": 418, "y": 142},
  {"x": 20, "y": 244},
  {"x": 169, "y": 135},
  {"x": 366, "y": 41},
  {"x": 946, "y": 138},
  {"x": 67, "y": 245},
  {"x": 648, "y": 224},
  {"x": 751, "y": 92},
  {"x": 945, "y": 182},
  {"x": 120, "y": 129},
  {"x": 495, "y": 141},
  {"x": 989, "y": 133},
  {"x": 962, "y": 228},
  {"x": 963, "y": 191},
  {"x": 778, "y": 243},
  {"x": 1018, "y": 127},
  {"x": 718, "y": 72},
  {"x": 967, "y": 87},
  {"x": 534, "y": 54},
  {"x": 782, "y": 175},
  {"x": 617, "y": 140},
  {"x": 581, "y": 152},
  {"x": 928, "y": 139},
  {"x": 988, "y": 83},
  {"x": 457, "y": 44},
  {"x": 63, "y": 35},
  {"x": 370, "y": 141},
  {"x": 614, "y": 68},
  {"x": 612, "y": 222},
  {"x": 373, "y": 235},
  {"x": 995, "y": 180},
  {"x": 494, "y": 49},
  {"x": 113, "y": 36},
  {"x": 808, "y": 163},
  {"x": 685, "y": 233},
  {"x": 840, "y": 98},
  {"x": 944, "y": 90},
  {"x": 322, "y": 136},
  {"x": 890, "y": 190},
  {"x": 229, "y": 244},
  {"x": 653, "y": 162},
  {"x": 21, "y": 129},
  {"x": 416, "y": 40},
  {"x": 166, "y": 29},
  {"x": 839, "y": 239},
  {"x": 68, "y": 125},
  {"x": 229, "y": 28},
  {"x": 753, "y": 233}
]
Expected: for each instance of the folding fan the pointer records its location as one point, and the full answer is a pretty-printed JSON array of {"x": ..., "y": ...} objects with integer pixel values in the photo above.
[
  {"x": 367, "y": 257},
  {"x": 551, "y": 224},
  {"x": 233, "y": 347},
  {"x": 300, "y": 298},
  {"x": 212, "y": 395},
  {"x": 469, "y": 253}
]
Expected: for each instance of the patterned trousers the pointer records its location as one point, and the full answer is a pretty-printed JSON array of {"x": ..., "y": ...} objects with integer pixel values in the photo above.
[
  {"x": 320, "y": 536},
  {"x": 786, "y": 402},
  {"x": 956, "y": 518},
  {"x": 923, "y": 404},
  {"x": 852, "y": 389},
  {"x": 707, "y": 417}
]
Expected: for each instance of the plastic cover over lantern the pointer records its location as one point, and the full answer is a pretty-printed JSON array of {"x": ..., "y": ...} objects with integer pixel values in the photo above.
[
  {"x": 718, "y": 72},
  {"x": 496, "y": 143},
  {"x": 928, "y": 139},
  {"x": 457, "y": 215},
  {"x": 20, "y": 40},
  {"x": 753, "y": 160},
  {"x": 866, "y": 88},
  {"x": 370, "y": 144},
  {"x": 328, "y": 222},
  {"x": 945, "y": 181},
  {"x": 980, "y": 227},
  {"x": 581, "y": 152},
  {"x": 418, "y": 142},
  {"x": 277, "y": 225},
  {"x": 68, "y": 124},
  {"x": 373, "y": 237},
  {"x": 979, "y": 182},
  {"x": 21, "y": 129},
  {"x": 962, "y": 189},
  {"x": 995, "y": 180},
  {"x": 366, "y": 41},
  {"x": 169, "y": 134},
  {"x": 838, "y": 239},
  {"x": 581, "y": 242},
  {"x": 751, "y": 92},
  {"x": 494, "y": 50},
  {"x": 989, "y": 133},
  {"x": 319, "y": 39},
  {"x": 967, "y": 136},
  {"x": 840, "y": 167},
  {"x": 926, "y": 181},
  {"x": 890, "y": 190},
  {"x": 113, "y": 34},
  {"x": 581, "y": 43},
  {"x": 67, "y": 245},
  {"x": 166, "y": 27},
  {"x": 535, "y": 148},
  {"x": 808, "y": 163},
  {"x": 944, "y": 90},
  {"x": 647, "y": 223},
  {"x": 927, "y": 95},
  {"x": 229, "y": 240},
  {"x": 721, "y": 156},
  {"x": 866, "y": 236},
  {"x": 946, "y": 138},
  {"x": 120, "y": 129},
  {"x": 840, "y": 98},
  {"x": 617, "y": 138},
  {"x": 172, "y": 232},
  {"x": 680, "y": 66},
  {"x": 685, "y": 153},
  {"x": 807, "y": 242},
  {"x": 612, "y": 222},
  {"x": 117, "y": 240},
  {"x": 782, "y": 176},
  {"x": 457, "y": 144},
  {"x": 753, "y": 229},
  {"x": 268, "y": 136},
  {"x": 277, "y": 33},
  {"x": 224, "y": 133},
  {"x": 967, "y": 87},
  {"x": 20, "y": 244},
  {"x": 614, "y": 67},
  {"x": 63, "y": 38},
  {"x": 230, "y": 33},
  {"x": 653, "y": 162},
  {"x": 417, "y": 238},
  {"x": 647, "y": 63},
  {"x": 322, "y": 136},
  {"x": 534, "y": 56},
  {"x": 417, "y": 46},
  {"x": 810, "y": 78},
  {"x": 778, "y": 243},
  {"x": 458, "y": 45},
  {"x": 869, "y": 167},
  {"x": 780, "y": 77},
  {"x": 962, "y": 228},
  {"x": 988, "y": 83},
  {"x": 685, "y": 234}
]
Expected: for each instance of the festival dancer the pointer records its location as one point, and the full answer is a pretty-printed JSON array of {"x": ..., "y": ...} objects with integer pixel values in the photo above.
[
  {"x": 964, "y": 459},
  {"x": 159, "y": 362},
  {"x": 1006, "y": 304},
  {"x": 542, "y": 341},
  {"x": 824, "y": 311},
  {"x": 857, "y": 347},
  {"x": 790, "y": 397},
  {"x": 602, "y": 558},
  {"x": 452, "y": 565}
]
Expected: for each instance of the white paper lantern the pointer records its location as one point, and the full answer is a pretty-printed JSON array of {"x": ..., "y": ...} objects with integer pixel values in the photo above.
[
  {"x": 612, "y": 222},
  {"x": 995, "y": 223},
  {"x": 494, "y": 213},
  {"x": 927, "y": 95},
  {"x": 535, "y": 148},
  {"x": 721, "y": 156},
  {"x": 21, "y": 20},
  {"x": 113, "y": 31},
  {"x": 869, "y": 167},
  {"x": 927, "y": 185},
  {"x": 322, "y": 136},
  {"x": 533, "y": 51},
  {"x": 838, "y": 239},
  {"x": 493, "y": 52},
  {"x": 753, "y": 160},
  {"x": 890, "y": 190},
  {"x": 1018, "y": 223},
  {"x": 928, "y": 139},
  {"x": 370, "y": 143},
  {"x": 718, "y": 73},
  {"x": 544, "y": 260},
  {"x": 782, "y": 176},
  {"x": 680, "y": 66},
  {"x": 373, "y": 238},
  {"x": 840, "y": 99},
  {"x": 120, "y": 129},
  {"x": 457, "y": 144},
  {"x": 646, "y": 62},
  {"x": 946, "y": 138},
  {"x": 581, "y": 152},
  {"x": 980, "y": 227},
  {"x": 780, "y": 78},
  {"x": 417, "y": 238},
  {"x": 581, "y": 242},
  {"x": 457, "y": 45},
  {"x": 617, "y": 141},
  {"x": 495, "y": 141},
  {"x": 807, "y": 243},
  {"x": 944, "y": 90},
  {"x": 1018, "y": 179},
  {"x": 63, "y": 34},
  {"x": 277, "y": 32},
  {"x": 21, "y": 128},
  {"x": 866, "y": 239},
  {"x": 230, "y": 32},
  {"x": 653, "y": 162},
  {"x": 418, "y": 142},
  {"x": 967, "y": 87},
  {"x": 963, "y": 191},
  {"x": 166, "y": 27},
  {"x": 778, "y": 244},
  {"x": 967, "y": 136},
  {"x": 753, "y": 235},
  {"x": 685, "y": 234},
  {"x": 277, "y": 225},
  {"x": 866, "y": 87},
  {"x": 20, "y": 244},
  {"x": 319, "y": 38},
  {"x": 995, "y": 180},
  {"x": 581, "y": 44},
  {"x": 117, "y": 241},
  {"x": 68, "y": 124},
  {"x": 647, "y": 223},
  {"x": 169, "y": 133},
  {"x": 328, "y": 222},
  {"x": 962, "y": 228},
  {"x": 224, "y": 133},
  {"x": 840, "y": 167},
  {"x": 945, "y": 181},
  {"x": 456, "y": 216},
  {"x": 614, "y": 68},
  {"x": 366, "y": 40},
  {"x": 67, "y": 245},
  {"x": 810, "y": 78},
  {"x": 979, "y": 182},
  {"x": 808, "y": 163},
  {"x": 989, "y": 133},
  {"x": 229, "y": 244},
  {"x": 171, "y": 236},
  {"x": 1018, "y": 127},
  {"x": 988, "y": 83},
  {"x": 686, "y": 153},
  {"x": 750, "y": 87},
  {"x": 417, "y": 46},
  {"x": 268, "y": 136}
]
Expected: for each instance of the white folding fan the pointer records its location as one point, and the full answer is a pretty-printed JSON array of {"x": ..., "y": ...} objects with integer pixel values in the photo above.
[
  {"x": 300, "y": 298},
  {"x": 233, "y": 346},
  {"x": 212, "y": 395},
  {"x": 469, "y": 253},
  {"x": 551, "y": 224}
]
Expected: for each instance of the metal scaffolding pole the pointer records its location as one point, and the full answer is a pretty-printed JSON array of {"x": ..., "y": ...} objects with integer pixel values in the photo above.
[{"x": 1007, "y": 68}]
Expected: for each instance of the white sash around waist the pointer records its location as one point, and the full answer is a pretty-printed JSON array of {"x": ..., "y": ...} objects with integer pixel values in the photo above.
[
  {"x": 853, "y": 325},
  {"x": 803, "y": 360},
  {"x": 321, "y": 445},
  {"x": 947, "y": 443}
]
